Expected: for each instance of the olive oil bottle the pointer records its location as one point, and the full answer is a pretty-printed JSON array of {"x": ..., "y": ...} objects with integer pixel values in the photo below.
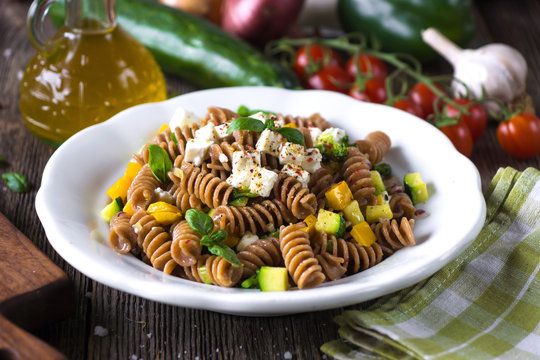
[{"x": 87, "y": 72}]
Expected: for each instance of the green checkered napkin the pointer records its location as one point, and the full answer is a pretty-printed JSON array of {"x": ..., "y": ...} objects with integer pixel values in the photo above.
[{"x": 483, "y": 305}]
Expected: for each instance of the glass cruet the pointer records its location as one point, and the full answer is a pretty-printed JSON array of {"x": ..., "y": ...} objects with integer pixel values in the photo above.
[{"x": 88, "y": 71}]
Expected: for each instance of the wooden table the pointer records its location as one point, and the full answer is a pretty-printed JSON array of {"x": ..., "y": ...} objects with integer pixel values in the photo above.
[{"x": 139, "y": 328}]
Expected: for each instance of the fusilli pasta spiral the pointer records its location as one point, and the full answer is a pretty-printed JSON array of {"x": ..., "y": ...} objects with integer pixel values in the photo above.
[
  {"x": 393, "y": 236},
  {"x": 214, "y": 269},
  {"x": 299, "y": 200},
  {"x": 357, "y": 175},
  {"x": 263, "y": 252}
]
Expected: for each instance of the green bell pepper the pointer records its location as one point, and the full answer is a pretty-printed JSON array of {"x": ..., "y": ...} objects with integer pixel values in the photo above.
[{"x": 397, "y": 24}]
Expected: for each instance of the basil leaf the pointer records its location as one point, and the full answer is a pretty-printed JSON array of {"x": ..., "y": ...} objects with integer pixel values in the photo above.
[
  {"x": 16, "y": 182},
  {"x": 243, "y": 110},
  {"x": 251, "y": 282},
  {"x": 206, "y": 240},
  {"x": 269, "y": 123},
  {"x": 159, "y": 162},
  {"x": 174, "y": 139},
  {"x": 225, "y": 252},
  {"x": 218, "y": 236},
  {"x": 291, "y": 134},
  {"x": 246, "y": 123},
  {"x": 199, "y": 221},
  {"x": 242, "y": 192}
]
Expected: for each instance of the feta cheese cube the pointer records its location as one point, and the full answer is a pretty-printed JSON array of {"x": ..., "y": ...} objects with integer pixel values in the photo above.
[
  {"x": 197, "y": 151},
  {"x": 262, "y": 181},
  {"x": 221, "y": 130},
  {"x": 315, "y": 132},
  {"x": 297, "y": 172},
  {"x": 259, "y": 116},
  {"x": 291, "y": 154},
  {"x": 206, "y": 133},
  {"x": 223, "y": 158},
  {"x": 336, "y": 134},
  {"x": 278, "y": 122},
  {"x": 262, "y": 117},
  {"x": 239, "y": 179},
  {"x": 163, "y": 195},
  {"x": 181, "y": 117},
  {"x": 269, "y": 142},
  {"x": 246, "y": 160},
  {"x": 312, "y": 160}
]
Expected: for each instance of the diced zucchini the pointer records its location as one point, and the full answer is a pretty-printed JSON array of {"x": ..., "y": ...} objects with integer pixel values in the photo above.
[
  {"x": 112, "y": 209},
  {"x": 241, "y": 202},
  {"x": 273, "y": 278},
  {"x": 310, "y": 221},
  {"x": 250, "y": 283},
  {"x": 352, "y": 213},
  {"x": 330, "y": 223},
  {"x": 377, "y": 182},
  {"x": 204, "y": 275},
  {"x": 416, "y": 188},
  {"x": 339, "y": 196},
  {"x": 363, "y": 234},
  {"x": 374, "y": 213},
  {"x": 211, "y": 212}
]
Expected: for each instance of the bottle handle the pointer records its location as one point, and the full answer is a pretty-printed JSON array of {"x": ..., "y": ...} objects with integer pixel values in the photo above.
[{"x": 34, "y": 24}]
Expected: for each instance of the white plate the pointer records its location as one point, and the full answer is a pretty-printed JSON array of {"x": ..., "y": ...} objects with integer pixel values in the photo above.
[{"x": 84, "y": 167}]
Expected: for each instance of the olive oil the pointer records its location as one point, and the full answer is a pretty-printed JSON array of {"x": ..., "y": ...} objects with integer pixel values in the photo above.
[{"x": 90, "y": 75}]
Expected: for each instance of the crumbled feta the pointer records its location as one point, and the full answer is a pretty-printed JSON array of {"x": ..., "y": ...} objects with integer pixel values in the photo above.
[
  {"x": 312, "y": 160},
  {"x": 245, "y": 241},
  {"x": 206, "y": 133},
  {"x": 181, "y": 117},
  {"x": 297, "y": 172},
  {"x": 240, "y": 179},
  {"x": 246, "y": 160},
  {"x": 197, "y": 151},
  {"x": 291, "y": 153},
  {"x": 269, "y": 142},
  {"x": 259, "y": 116},
  {"x": 163, "y": 195},
  {"x": 336, "y": 133},
  {"x": 221, "y": 130},
  {"x": 315, "y": 132},
  {"x": 223, "y": 158},
  {"x": 262, "y": 181}
]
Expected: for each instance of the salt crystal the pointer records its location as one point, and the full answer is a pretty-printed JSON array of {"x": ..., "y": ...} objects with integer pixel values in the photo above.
[
  {"x": 133, "y": 357},
  {"x": 100, "y": 331},
  {"x": 287, "y": 355},
  {"x": 8, "y": 52},
  {"x": 19, "y": 75},
  {"x": 217, "y": 350},
  {"x": 149, "y": 335}
]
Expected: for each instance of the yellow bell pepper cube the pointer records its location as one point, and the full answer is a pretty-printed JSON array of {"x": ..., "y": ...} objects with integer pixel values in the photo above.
[
  {"x": 310, "y": 221},
  {"x": 352, "y": 213},
  {"x": 163, "y": 128},
  {"x": 374, "y": 213},
  {"x": 339, "y": 196},
  {"x": 378, "y": 183},
  {"x": 128, "y": 209},
  {"x": 121, "y": 186},
  {"x": 363, "y": 234},
  {"x": 164, "y": 213},
  {"x": 382, "y": 198},
  {"x": 291, "y": 125}
]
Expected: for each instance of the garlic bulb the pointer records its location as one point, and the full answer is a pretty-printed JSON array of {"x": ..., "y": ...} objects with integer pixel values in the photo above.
[{"x": 498, "y": 69}]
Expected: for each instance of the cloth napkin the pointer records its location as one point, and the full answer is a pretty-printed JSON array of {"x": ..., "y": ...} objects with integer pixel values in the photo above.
[{"x": 485, "y": 304}]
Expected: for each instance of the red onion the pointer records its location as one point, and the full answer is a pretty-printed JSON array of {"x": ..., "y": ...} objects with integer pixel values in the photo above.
[{"x": 259, "y": 21}]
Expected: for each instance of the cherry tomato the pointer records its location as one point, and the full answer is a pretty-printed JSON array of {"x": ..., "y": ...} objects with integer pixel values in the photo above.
[
  {"x": 321, "y": 56},
  {"x": 374, "y": 91},
  {"x": 476, "y": 121},
  {"x": 520, "y": 135},
  {"x": 460, "y": 136},
  {"x": 425, "y": 97},
  {"x": 331, "y": 77},
  {"x": 367, "y": 64},
  {"x": 409, "y": 106}
]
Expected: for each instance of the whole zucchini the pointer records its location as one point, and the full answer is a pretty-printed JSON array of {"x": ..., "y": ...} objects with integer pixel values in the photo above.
[{"x": 193, "y": 48}]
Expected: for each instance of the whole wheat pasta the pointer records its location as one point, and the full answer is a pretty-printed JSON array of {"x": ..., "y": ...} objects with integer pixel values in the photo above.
[
  {"x": 375, "y": 146},
  {"x": 263, "y": 252},
  {"x": 392, "y": 236},
  {"x": 216, "y": 270},
  {"x": 186, "y": 245},
  {"x": 400, "y": 203},
  {"x": 122, "y": 237},
  {"x": 141, "y": 192},
  {"x": 300, "y": 201},
  {"x": 356, "y": 173},
  {"x": 218, "y": 115},
  {"x": 315, "y": 120}
]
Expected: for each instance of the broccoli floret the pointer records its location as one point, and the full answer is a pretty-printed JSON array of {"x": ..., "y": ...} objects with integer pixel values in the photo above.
[
  {"x": 331, "y": 150},
  {"x": 384, "y": 169}
]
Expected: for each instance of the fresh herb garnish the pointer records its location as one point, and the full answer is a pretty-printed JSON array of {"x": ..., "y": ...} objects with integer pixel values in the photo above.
[
  {"x": 292, "y": 135},
  {"x": 246, "y": 123},
  {"x": 174, "y": 139},
  {"x": 159, "y": 162},
  {"x": 203, "y": 224},
  {"x": 199, "y": 221},
  {"x": 275, "y": 234},
  {"x": 384, "y": 169},
  {"x": 16, "y": 182},
  {"x": 243, "y": 110}
]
